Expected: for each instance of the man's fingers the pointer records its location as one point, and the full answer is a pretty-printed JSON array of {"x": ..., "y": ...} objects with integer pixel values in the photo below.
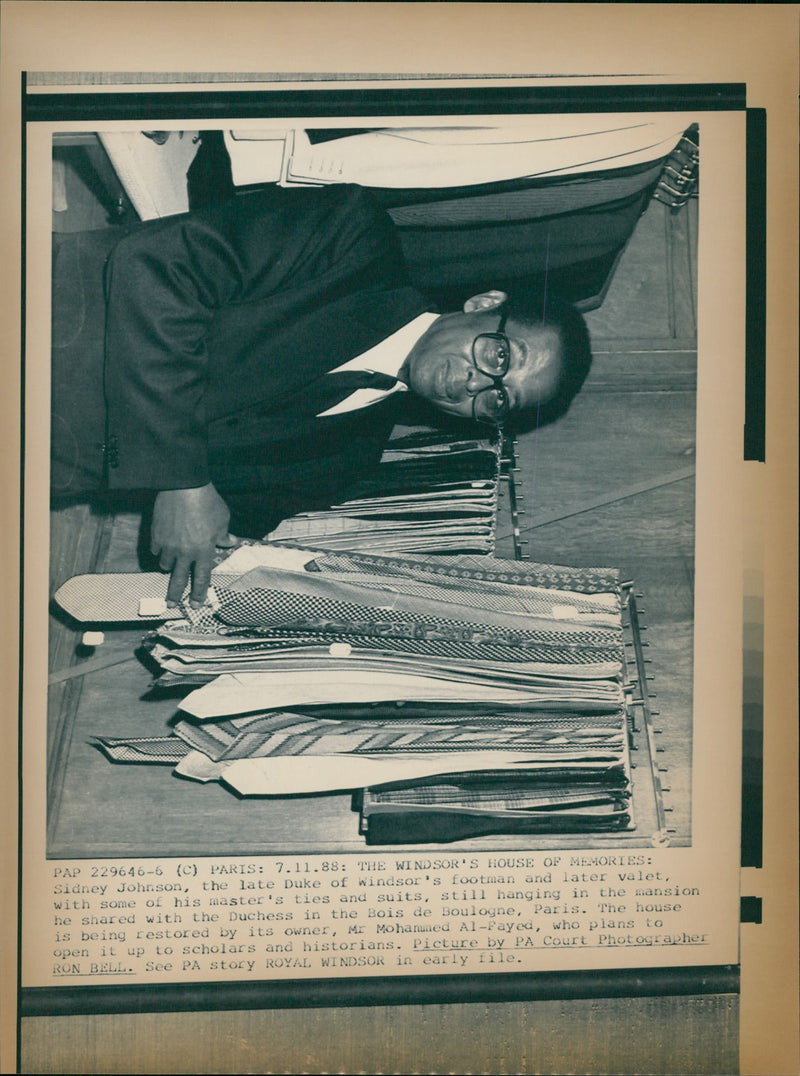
[
  {"x": 166, "y": 561},
  {"x": 200, "y": 580},
  {"x": 186, "y": 525},
  {"x": 179, "y": 579}
]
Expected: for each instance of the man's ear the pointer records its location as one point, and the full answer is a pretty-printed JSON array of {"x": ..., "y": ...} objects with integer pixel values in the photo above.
[{"x": 486, "y": 300}]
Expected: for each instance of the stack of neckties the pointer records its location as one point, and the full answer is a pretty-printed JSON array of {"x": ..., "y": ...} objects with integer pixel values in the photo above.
[
  {"x": 462, "y": 696},
  {"x": 431, "y": 493}
]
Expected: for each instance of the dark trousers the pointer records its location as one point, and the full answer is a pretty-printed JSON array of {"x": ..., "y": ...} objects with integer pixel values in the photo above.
[{"x": 77, "y": 428}]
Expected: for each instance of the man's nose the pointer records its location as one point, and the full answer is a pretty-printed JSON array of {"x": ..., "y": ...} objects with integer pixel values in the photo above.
[{"x": 477, "y": 381}]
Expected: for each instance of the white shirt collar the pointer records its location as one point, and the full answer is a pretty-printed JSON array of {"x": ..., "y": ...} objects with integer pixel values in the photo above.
[{"x": 387, "y": 357}]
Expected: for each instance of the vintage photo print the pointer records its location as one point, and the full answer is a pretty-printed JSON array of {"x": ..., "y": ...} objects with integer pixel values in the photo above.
[
  {"x": 372, "y": 495},
  {"x": 586, "y": 226}
]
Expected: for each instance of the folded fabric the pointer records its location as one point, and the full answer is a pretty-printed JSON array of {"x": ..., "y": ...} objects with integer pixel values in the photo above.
[
  {"x": 496, "y": 793},
  {"x": 166, "y": 750},
  {"x": 431, "y": 493},
  {"x": 543, "y": 736},
  {"x": 306, "y": 774},
  {"x": 438, "y": 597},
  {"x": 247, "y": 692},
  {"x": 450, "y": 695},
  {"x": 470, "y": 570},
  {"x": 419, "y": 826},
  {"x": 381, "y": 661}
]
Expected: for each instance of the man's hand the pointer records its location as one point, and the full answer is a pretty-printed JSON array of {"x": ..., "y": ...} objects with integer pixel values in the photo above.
[{"x": 188, "y": 524}]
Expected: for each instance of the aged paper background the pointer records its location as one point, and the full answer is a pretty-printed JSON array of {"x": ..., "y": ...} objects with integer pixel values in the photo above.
[{"x": 736, "y": 43}]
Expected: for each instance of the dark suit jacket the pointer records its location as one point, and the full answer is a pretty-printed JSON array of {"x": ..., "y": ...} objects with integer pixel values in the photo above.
[{"x": 221, "y": 326}]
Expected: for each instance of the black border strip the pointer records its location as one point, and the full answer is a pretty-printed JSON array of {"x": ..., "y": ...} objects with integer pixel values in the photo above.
[
  {"x": 755, "y": 428},
  {"x": 750, "y": 910},
  {"x": 389, "y": 990},
  {"x": 252, "y": 104},
  {"x": 752, "y": 812},
  {"x": 755, "y": 403}
]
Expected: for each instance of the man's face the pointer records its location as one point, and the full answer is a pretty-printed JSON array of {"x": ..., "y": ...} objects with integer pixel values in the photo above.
[{"x": 441, "y": 370}]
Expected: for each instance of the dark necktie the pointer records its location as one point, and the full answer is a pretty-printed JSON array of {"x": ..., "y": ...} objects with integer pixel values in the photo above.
[{"x": 347, "y": 381}]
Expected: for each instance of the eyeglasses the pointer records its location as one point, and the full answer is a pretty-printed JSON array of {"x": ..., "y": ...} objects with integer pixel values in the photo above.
[{"x": 491, "y": 355}]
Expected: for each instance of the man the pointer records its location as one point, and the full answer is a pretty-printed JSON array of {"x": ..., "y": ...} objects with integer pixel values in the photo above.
[{"x": 236, "y": 344}]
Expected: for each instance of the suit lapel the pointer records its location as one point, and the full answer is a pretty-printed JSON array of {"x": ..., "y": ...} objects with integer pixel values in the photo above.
[{"x": 322, "y": 341}]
